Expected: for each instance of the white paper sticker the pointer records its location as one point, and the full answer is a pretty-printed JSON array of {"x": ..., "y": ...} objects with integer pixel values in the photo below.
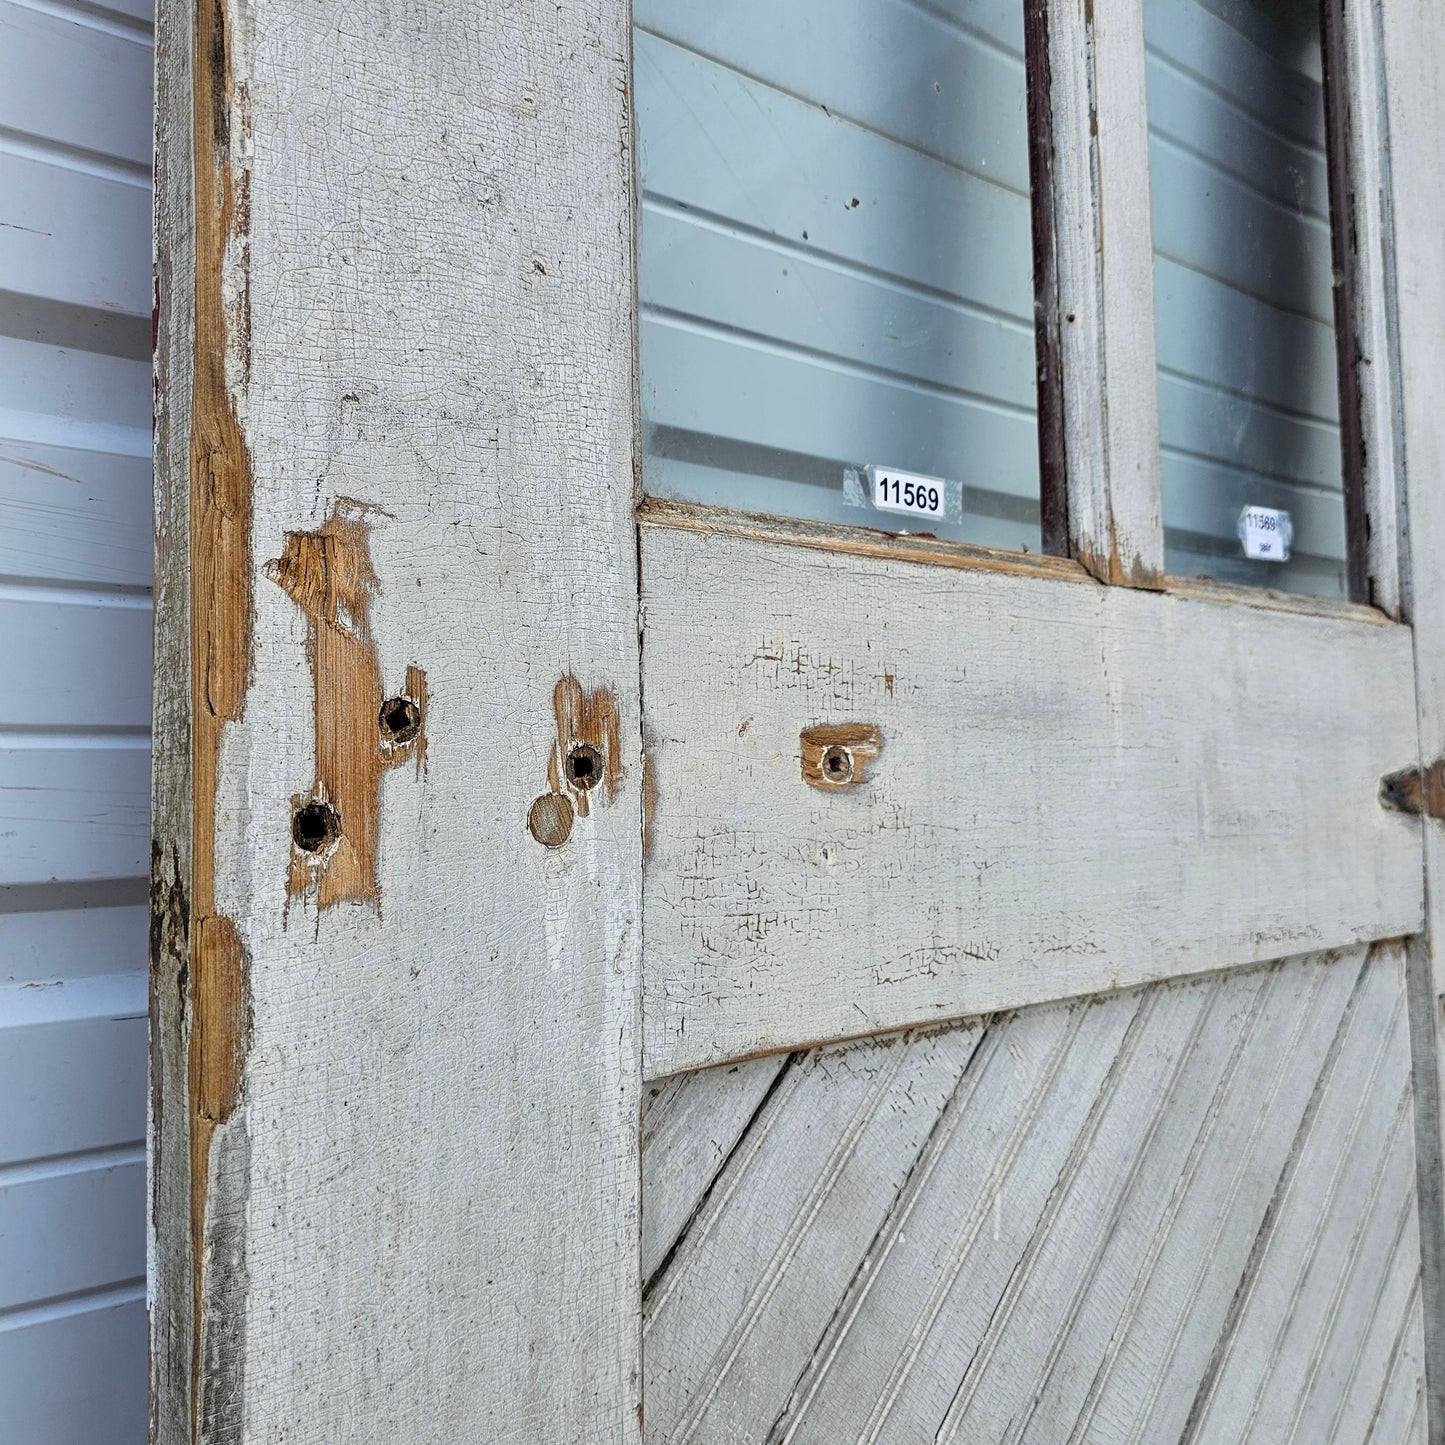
[
  {"x": 1265, "y": 534},
  {"x": 918, "y": 496}
]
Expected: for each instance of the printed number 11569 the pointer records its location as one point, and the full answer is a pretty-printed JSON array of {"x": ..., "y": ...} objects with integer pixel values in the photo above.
[{"x": 906, "y": 492}]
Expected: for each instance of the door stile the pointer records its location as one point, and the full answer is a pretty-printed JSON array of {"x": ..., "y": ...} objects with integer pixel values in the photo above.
[
  {"x": 1103, "y": 256},
  {"x": 1413, "y": 126},
  {"x": 1366, "y": 211},
  {"x": 398, "y": 783}
]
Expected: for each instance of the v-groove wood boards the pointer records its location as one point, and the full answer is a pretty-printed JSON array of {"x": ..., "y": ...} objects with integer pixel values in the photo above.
[{"x": 1179, "y": 1213}]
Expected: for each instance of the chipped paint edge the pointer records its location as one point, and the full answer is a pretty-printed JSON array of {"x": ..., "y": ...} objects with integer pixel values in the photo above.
[{"x": 200, "y": 992}]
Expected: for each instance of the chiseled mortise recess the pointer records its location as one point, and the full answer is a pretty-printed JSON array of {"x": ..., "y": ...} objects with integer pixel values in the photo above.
[{"x": 837, "y": 755}]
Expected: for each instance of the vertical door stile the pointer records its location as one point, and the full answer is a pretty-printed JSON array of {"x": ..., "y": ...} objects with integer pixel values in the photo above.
[
  {"x": 1409, "y": 113},
  {"x": 1358, "y": 110},
  {"x": 398, "y": 787},
  {"x": 1105, "y": 267}
]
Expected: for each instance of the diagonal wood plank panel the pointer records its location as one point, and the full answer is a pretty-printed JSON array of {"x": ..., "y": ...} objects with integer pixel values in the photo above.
[{"x": 1185, "y": 1212}]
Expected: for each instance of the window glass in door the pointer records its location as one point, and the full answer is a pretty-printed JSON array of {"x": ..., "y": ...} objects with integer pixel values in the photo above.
[
  {"x": 836, "y": 266},
  {"x": 1249, "y": 405}
]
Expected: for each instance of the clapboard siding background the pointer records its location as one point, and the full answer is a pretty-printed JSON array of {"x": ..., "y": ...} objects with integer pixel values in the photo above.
[
  {"x": 75, "y": 575},
  {"x": 1183, "y": 1213},
  {"x": 836, "y": 267}
]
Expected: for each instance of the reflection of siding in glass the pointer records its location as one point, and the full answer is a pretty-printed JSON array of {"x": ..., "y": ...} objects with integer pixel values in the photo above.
[
  {"x": 835, "y": 255},
  {"x": 1248, "y": 396}
]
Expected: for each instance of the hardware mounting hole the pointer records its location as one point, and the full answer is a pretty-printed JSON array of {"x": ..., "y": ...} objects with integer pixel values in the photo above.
[{"x": 315, "y": 827}]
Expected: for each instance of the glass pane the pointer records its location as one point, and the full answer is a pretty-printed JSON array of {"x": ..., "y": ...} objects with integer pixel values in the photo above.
[
  {"x": 1248, "y": 387},
  {"x": 836, "y": 266}
]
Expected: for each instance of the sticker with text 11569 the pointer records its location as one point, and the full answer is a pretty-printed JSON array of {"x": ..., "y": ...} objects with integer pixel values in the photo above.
[
  {"x": 893, "y": 491},
  {"x": 1265, "y": 534}
]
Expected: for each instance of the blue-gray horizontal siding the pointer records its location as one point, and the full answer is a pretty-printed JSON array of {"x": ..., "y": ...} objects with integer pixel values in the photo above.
[{"x": 75, "y": 576}]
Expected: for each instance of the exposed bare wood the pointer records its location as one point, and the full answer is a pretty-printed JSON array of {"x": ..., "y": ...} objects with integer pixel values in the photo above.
[
  {"x": 1416, "y": 790},
  {"x": 852, "y": 541},
  {"x": 336, "y": 825},
  {"x": 589, "y": 744},
  {"x": 839, "y": 755}
]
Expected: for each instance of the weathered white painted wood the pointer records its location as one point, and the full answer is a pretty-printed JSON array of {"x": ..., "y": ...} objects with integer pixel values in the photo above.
[
  {"x": 1110, "y": 1203},
  {"x": 1414, "y": 130},
  {"x": 1327, "y": 1214},
  {"x": 1402, "y": 1411},
  {"x": 407, "y": 1124},
  {"x": 1104, "y": 1216},
  {"x": 1192, "y": 1256},
  {"x": 1079, "y": 788},
  {"x": 1104, "y": 251},
  {"x": 691, "y": 1123},
  {"x": 1370, "y": 165},
  {"x": 952, "y": 1242},
  {"x": 1395, "y": 1314},
  {"x": 745, "y": 1315}
]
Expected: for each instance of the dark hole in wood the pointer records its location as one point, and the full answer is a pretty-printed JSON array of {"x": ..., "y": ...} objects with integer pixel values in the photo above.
[
  {"x": 837, "y": 764},
  {"x": 315, "y": 827},
  {"x": 399, "y": 719},
  {"x": 584, "y": 766}
]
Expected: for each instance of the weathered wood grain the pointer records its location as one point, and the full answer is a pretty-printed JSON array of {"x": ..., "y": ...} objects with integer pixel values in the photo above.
[
  {"x": 1105, "y": 268},
  {"x": 691, "y": 1123},
  {"x": 394, "y": 1185},
  {"x": 1079, "y": 788},
  {"x": 1412, "y": 127},
  {"x": 1179, "y": 1213}
]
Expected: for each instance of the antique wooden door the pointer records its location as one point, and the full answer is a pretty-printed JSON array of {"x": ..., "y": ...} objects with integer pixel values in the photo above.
[{"x": 720, "y": 875}]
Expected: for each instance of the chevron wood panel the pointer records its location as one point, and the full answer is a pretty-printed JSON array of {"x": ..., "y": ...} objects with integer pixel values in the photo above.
[{"x": 1182, "y": 1213}]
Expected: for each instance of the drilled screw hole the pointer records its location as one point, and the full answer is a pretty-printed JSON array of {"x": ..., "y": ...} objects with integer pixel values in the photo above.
[
  {"x": 837, "y": 766},
  {"x": 584, "y": 766},
  {"x": 399, "y": 720},
  {"x": 315, "y": 827}
]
